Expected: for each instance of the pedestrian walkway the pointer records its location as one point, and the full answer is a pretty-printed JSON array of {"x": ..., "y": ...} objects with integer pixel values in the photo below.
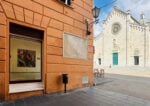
[
  {"x": 110, "y": 90},
  {"x": 100, "y": 81},
  {"x": 130, "y": 71},
  {"x": 93, "y": 96}
]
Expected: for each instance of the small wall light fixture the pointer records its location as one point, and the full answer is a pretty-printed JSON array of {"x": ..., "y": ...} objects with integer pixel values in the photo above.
[{"x": 95, "y": 13}]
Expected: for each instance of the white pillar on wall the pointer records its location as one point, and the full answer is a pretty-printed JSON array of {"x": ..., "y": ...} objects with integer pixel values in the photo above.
[
  {"x": 147, "y": 33},
  {"x": 127, "y": 36}
]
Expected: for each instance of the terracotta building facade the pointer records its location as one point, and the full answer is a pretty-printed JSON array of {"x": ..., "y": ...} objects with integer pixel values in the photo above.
[{"x": 39, "y": 41}]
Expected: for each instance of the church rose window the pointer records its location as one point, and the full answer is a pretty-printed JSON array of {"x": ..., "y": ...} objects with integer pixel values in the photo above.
[{"x": 116, "y": 28}]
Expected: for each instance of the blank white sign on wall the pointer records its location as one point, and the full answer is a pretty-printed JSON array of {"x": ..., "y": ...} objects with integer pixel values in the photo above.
[{"x": 74, "y": 47}]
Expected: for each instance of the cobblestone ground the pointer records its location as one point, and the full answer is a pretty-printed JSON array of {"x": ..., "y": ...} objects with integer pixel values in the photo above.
[{"x": 112, "y": 90}]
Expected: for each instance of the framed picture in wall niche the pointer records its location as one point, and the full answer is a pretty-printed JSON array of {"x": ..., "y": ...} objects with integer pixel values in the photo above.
[{"x": 26, "y": 58}]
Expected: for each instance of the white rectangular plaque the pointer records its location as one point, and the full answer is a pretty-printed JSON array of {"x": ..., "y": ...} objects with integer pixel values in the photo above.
[
  {"x": 85, "y": 80},
  {"x": 74, "y": 47}
]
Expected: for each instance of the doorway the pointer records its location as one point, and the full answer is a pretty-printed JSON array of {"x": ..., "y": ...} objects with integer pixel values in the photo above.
[{"x": 115, "y": 58}]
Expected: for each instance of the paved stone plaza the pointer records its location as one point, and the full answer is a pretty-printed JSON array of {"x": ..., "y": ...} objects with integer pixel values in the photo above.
[{"x": 112, "y": 90}]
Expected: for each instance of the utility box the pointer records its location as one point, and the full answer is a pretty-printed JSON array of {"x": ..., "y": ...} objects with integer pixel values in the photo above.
[
  {"x": 65, "y": 81},
  {"x": 65, "y": 78}
]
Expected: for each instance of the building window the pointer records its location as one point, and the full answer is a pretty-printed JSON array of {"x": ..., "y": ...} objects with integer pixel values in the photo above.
[
  {"x": 114, "y": 43},
  {"x": 67, "y": 2},
  {"x": 136, "y": 60},
  {"x": 99, "y": 61},
  {"x": 25, "y": 54}
]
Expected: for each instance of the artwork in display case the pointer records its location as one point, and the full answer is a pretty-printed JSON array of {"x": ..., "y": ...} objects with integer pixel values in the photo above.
[
  {"x": 26, "y": 58},
  {"x": 25, "y": 61}
]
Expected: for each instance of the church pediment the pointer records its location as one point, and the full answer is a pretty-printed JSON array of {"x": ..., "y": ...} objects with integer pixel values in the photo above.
[{"x": 123, "y": 15}]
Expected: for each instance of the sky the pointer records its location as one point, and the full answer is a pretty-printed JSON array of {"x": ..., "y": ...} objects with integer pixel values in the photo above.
[{"x": 135, "y": 6}]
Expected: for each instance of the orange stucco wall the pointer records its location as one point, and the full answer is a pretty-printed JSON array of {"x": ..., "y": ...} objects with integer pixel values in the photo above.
[{"x": 54, "y": 18}]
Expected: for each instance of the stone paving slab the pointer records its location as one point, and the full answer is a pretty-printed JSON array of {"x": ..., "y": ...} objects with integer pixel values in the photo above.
[
  {"x": 117, "y": 98},
  {"x": 100, "y": 80},
  {"x": 93, "y": 96},
  {"x": 128, "y": 85}
]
